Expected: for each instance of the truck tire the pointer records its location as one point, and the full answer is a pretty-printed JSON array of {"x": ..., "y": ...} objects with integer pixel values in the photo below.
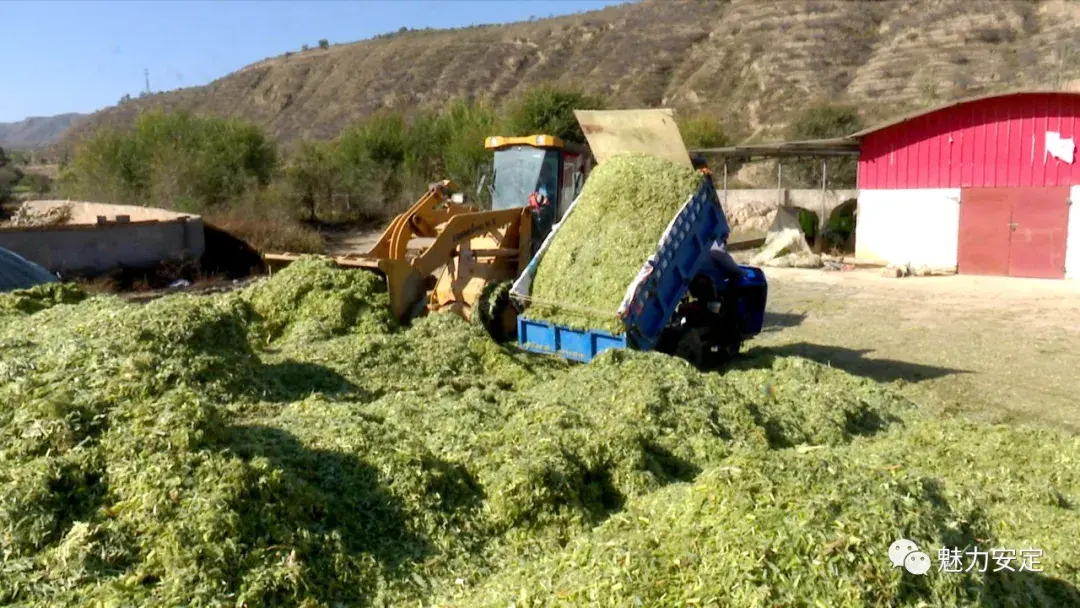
[{"x": 694, "y": 347}]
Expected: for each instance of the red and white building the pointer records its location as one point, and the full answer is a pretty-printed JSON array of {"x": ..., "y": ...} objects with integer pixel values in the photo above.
[{"x": 983, "y": 185}]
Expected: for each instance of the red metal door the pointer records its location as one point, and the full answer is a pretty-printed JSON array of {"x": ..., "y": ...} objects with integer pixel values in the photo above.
[
  {"x": 983, "y": 246},
  {"x": 1040, "y": 218}
]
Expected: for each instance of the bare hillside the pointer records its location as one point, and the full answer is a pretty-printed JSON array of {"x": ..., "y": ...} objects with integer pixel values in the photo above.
[
  {"x": 36, "y": 131},
  {"x": 752, "y": 63}
]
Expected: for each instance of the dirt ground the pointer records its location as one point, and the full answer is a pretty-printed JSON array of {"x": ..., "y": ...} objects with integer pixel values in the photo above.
[
  {"x": 996, "y": 349},
  {"x": 340, "y": 242}
]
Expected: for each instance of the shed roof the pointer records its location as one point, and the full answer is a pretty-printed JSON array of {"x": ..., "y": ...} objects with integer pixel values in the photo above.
[
  {"x": 838, "y": 146},
  {"x": 916, "y": 114},
  {"x": 848, "y": 145}
]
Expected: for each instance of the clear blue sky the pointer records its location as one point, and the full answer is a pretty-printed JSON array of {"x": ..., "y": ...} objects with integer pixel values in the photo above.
[{"x": 82, "y": 56}]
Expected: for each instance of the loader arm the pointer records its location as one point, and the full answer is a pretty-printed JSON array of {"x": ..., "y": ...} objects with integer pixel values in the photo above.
[
  {"x": 464, "y": 227},
  {"x": 420, "y": 220},
  {"x": 406, "y": 278}
]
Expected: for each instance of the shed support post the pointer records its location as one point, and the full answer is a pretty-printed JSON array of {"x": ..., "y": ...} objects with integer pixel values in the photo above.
[
  {"x": 823, "y": 218},
  {"x": 725, "y": 181},
  {"x": 779, "y": 184}
]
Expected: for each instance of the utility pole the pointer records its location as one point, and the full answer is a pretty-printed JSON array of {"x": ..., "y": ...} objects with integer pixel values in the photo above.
[{"x": 146, "y": 73}]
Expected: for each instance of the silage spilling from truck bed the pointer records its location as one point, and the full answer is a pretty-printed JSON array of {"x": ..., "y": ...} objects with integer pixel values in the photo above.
[
  {"x": 219, "y": 450},
  {"x": 618, "y": 220}
]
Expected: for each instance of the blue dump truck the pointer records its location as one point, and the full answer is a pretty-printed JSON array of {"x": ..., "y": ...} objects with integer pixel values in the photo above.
[{"x": 681, "y": 302}]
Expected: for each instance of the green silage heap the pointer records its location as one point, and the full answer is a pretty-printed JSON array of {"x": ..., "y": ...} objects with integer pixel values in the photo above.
[
  {"x": 624, "y": 208},
  {"x": 39, "y": 297},
  {"x": 287, "y": 445}
]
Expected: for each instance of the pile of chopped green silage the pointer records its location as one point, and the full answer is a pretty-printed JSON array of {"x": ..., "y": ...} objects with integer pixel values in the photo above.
[
  {"x": 40, "y": 297},
  {"x": 618, "y": 220},
  {"x": 288, "y": 445},
  {"x": 812, "y": 527}
]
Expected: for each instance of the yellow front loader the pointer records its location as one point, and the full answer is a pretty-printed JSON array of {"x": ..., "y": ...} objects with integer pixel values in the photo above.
[
  {"x": 534, "y": 180},
  {"x": 468, "y": 248}
]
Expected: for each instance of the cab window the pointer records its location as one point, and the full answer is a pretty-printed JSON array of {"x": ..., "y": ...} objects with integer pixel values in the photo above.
[{"x": 522, "y": 170}]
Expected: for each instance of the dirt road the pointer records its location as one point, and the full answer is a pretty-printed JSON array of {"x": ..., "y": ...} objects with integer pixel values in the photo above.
[
  {"x": 340, "y": 242},
  {"x": 997, "y": 349}
]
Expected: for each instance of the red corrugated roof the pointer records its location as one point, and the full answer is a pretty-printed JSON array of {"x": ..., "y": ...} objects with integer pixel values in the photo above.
[{"x": 906, "y": 117}]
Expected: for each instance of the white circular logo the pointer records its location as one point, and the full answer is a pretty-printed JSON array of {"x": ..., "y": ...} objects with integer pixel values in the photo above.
[
  {"x": 917, "y": 562},
  {"x": 899, "y": 550}
]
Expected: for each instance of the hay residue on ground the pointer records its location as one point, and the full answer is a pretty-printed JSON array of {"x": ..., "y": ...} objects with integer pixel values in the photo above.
[{"x": 286, "y": 444}]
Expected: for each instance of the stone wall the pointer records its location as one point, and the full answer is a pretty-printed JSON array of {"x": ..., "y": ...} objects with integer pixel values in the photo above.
[{"x": 145, "y": 238}]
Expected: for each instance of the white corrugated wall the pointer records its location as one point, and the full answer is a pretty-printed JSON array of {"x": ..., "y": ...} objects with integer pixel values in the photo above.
[
  {"x": 918, "y": 227},
  {"x": 1072, "y": 237}
]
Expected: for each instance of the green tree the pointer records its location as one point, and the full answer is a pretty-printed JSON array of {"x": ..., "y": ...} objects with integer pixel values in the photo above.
[
  {"x": 428, "y": 136},
  {"x": 172, "y": 160},
  {"x": 37, "y": 183},
  {"x": 370, "y": 157},
  {"x": 106, "y": 168},
  {"x": 824, "y": 122},
  {"x": 324, "y": 44},
  {"x": 464, "y": 154},
  {"x": 549, "y": 109},
  {"x": 313, "y": 176},
  {"x": 702, "y": 131},
  {"x": 10, "y": 175},
  {"x": 449, "y": 143}
]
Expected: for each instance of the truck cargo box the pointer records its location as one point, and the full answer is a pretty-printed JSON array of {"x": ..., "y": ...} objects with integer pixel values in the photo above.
[{"x": 651, "y": 298}]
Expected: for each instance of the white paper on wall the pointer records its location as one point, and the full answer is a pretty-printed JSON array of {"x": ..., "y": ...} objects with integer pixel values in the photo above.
[{"x": 1061, "y": 148}]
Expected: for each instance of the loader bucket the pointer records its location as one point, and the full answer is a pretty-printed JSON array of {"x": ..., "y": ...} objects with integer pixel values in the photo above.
[
  {"x": 654, "y": 132},
  {"x": 405, "y": 286}
]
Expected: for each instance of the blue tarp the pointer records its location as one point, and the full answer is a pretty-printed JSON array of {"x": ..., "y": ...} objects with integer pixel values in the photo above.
[{"x": 16, "y": 272}]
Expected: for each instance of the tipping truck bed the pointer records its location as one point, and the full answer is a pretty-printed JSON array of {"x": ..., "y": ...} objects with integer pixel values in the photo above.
[{"x": 651, "y": 298}]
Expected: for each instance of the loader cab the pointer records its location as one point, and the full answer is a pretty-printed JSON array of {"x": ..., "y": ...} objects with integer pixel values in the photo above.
[{"x": 526, "y": 166}]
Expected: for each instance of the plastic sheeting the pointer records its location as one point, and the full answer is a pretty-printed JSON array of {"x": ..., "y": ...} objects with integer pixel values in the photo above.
[
  {"x": 785, "y": 236},
  {"x": 16, "y": 272}
]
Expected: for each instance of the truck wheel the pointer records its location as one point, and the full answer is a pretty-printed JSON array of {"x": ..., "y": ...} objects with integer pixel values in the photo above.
[
  {"x": 692, "y": 348},
  {"x": 730, "y": 350}
]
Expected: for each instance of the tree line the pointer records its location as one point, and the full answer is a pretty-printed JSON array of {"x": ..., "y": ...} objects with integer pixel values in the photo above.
[
  {"x": 233, "y": 173},
  {"x": 15, "y": 181}
]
